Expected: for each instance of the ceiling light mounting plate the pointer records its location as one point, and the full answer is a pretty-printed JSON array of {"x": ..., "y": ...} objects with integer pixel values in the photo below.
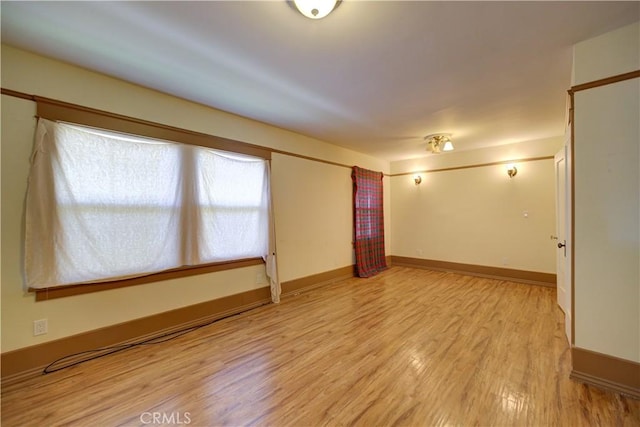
[{"x": 439, "y": 142}]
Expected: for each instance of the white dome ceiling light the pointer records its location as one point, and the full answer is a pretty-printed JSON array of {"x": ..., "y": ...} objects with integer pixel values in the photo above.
[{"x": 315, "y": 9}]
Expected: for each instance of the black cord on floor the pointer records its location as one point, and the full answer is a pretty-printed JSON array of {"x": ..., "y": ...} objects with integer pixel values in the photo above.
[{"x": 105, "y": 351}]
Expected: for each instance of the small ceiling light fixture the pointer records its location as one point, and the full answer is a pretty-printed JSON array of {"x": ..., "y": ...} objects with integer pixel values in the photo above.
[
  {"x": 417, "y": 179},
  {"x": 512, "y": 170},
  {"x": 439, "y": 142},
  {"x": 315, "y": 9}
]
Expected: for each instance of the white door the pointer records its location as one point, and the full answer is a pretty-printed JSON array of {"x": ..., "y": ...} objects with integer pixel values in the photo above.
[{"x": 563, "y": 265}]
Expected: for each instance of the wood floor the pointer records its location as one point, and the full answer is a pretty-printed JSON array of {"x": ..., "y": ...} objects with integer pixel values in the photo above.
[{"x": 409, "y": 347}]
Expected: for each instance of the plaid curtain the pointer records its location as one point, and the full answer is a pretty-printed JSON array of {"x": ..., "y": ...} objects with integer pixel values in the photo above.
[{"x": 368, "y": 222}]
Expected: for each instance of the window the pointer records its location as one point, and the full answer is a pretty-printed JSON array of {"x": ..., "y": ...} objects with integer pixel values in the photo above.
[
  {"x": 105, "y": 206},
  {"x": 368, "y": 214},
  {"x": 232, "y": 206}
]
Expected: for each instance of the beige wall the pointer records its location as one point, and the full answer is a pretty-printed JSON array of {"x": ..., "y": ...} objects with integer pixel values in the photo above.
[
  {"x": 607, "y": 197},
  {"x": 500, "y": 153},
  {"x": 477, "y": 215},
  {"x": 312, "y": 200},
  {"x": 304, "y": 192},
  {"x": 610, "y": 54}
]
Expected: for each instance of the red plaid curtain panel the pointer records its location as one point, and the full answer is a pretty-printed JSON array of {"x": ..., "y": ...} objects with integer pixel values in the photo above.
[{"x": 368, "y": 222}]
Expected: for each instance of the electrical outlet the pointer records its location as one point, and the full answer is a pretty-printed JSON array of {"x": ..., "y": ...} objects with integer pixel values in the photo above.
[
  {"x": 260, "y": 278},
  {"x": 40, "y": 327}
]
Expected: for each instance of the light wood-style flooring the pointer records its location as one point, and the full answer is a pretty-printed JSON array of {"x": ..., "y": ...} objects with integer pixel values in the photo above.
[{"x": 408, "y": 347}]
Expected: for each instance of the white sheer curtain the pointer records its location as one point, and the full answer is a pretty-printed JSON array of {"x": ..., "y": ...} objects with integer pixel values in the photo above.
[
  {"x": 232, "y": 208},
  {"x": 270, "y": 258},
  {"x": 106, "y": 206}
]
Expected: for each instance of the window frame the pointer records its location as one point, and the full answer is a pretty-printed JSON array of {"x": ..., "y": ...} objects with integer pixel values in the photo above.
[
  {"x": 65, "y": 112},
  {"x": 43, "y": 294}
]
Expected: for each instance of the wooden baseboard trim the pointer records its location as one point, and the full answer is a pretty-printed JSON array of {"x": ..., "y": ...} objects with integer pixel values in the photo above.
[
  {"x": 520, "y": 276},
  {"x": 607, "y": 372},
  {"x": 29, "y": 361},
  {"x": 303, "y": 284}
]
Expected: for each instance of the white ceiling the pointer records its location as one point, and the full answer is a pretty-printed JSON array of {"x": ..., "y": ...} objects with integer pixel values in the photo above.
[{"x": 373, "y": 76}]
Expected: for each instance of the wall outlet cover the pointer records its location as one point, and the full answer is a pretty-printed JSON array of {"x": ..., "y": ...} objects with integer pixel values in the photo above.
[{"x": 40, "y": 327}]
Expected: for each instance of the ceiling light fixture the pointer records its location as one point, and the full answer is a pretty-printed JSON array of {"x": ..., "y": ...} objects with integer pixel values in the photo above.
[
  {"x": 512, "y": 170},
  {"x": 315, "y": 9},
  {"x": 439, "y": 142}
]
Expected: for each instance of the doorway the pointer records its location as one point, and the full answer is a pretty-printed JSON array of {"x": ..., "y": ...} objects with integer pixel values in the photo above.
[{"x": 563, "y": 226}]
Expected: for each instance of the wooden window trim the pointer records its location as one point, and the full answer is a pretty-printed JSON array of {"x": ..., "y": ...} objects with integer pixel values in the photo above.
[
  {"x": 45, "y": 294},
  {"x": 55, "y": 110}
]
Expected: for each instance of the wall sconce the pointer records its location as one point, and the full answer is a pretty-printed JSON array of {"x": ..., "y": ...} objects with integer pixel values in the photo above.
[
  {"x": 512, "y": 170},
  {"x": 417, "y": 179}
]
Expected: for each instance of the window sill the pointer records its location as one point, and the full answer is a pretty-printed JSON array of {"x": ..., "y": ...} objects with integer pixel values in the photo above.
[{"x": 45, "y": 294}]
